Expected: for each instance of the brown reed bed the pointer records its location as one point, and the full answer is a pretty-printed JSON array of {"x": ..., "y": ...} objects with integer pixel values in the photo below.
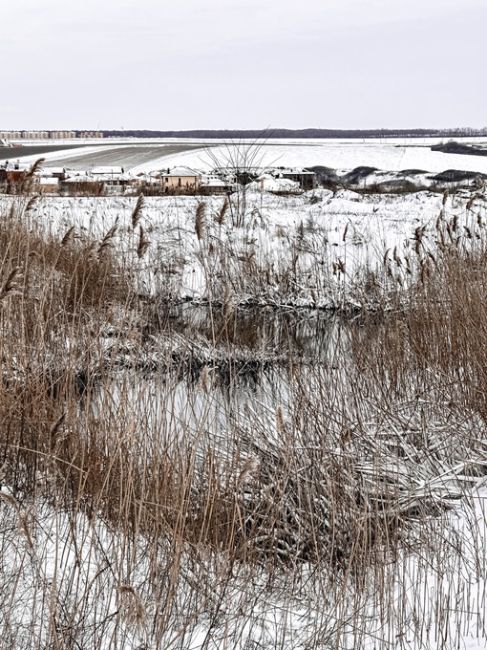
[{"x": 324, "y": 480}]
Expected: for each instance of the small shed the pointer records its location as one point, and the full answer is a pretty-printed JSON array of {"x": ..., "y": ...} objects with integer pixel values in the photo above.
[
  {"x": 47, "y": 185},
  {"x": 307, "y": 179}
]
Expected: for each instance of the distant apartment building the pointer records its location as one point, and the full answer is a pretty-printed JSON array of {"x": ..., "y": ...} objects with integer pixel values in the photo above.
[
  {"x": 49, "y": 135},
  {"x": 35, "y": 135},
  {"x": 69, "y": 135},
  {"x": 62, "y": 135},
  {"x": 10, "y": 135},
  {"x": 90, "y": 134}
]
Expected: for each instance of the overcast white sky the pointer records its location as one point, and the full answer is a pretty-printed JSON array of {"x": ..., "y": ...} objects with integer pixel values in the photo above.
[{"x": 184, "y": 64}]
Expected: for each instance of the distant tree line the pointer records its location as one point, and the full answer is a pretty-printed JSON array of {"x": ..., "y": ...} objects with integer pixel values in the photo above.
[{"x": 300, "y": 133}]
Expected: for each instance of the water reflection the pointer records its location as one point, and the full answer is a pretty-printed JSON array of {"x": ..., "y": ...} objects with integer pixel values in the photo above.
[
  {"x": 253, "y": 362},
  {"x": 301, "y": 335}
]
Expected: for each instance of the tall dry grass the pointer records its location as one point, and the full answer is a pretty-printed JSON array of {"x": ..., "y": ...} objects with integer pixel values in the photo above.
[{"x": 183, "y": 505}]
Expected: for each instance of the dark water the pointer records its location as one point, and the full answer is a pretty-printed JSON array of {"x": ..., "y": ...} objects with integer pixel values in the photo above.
[
  {"x": 302, "y": 336},
  {"x": 232, "y": 370}
]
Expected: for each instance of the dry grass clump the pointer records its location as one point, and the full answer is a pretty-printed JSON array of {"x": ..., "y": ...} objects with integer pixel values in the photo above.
[
  {"x": 55, "y": 295},
  {"x": 435, "y": 336},
  {"x": 79, "y": 274}
]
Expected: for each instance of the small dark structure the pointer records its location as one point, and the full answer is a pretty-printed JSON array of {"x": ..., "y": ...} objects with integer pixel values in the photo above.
[{"x": 306, "y": 178}]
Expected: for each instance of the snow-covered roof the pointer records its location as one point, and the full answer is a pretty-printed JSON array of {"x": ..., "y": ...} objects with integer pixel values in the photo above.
[
  {"x": 271, "y": 184},
  {"x": 50, "y": 171},
  {"x": 107, "y": 170},
  {"x": 182, "y": 172},
  {"x": 98, "y": 178},
  {"x": 295, "y": 170},
  {"x": 150, "y": 179},
  {"x": 82, "y": 178},
  {"x": 213, "y": 181},
  {"x": 114, "y": 177},
  {"x": 48, "y": 180}
]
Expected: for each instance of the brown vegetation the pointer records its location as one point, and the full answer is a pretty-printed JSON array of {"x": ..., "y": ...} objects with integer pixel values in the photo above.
[{"x": 338, "y": 470}]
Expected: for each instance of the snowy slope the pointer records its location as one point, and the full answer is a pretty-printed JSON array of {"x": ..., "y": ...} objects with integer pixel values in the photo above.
[{"x": 392, "y": 155}]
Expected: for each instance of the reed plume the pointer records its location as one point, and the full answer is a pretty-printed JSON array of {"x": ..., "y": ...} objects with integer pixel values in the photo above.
[
  {"x": 220, "y": 217},
  {"x": 11, "y": 285},
  {"x": 68, "y": 237},
  {"x": 137, "y": 213},
  {"x": 107, "y": 240},
  {"x": 143, "y": 244},
  {"x": 199, "y": 224}
]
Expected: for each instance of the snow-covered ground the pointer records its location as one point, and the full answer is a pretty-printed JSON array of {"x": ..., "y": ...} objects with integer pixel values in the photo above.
[
  {"x": 387, "y": 155},
  {"x": 390, "y": 154},
  {"x": 76, "y": 573},
  {"x": 275, "y": 249}
]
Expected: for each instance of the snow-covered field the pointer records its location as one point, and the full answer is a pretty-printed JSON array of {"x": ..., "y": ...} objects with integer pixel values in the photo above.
[
  {"x": 390, "y": 154},
  {"x": 395, "y": 155}
]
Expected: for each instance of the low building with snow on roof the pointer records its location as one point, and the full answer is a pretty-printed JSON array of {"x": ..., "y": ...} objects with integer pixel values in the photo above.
[
  {"x": 146, "y": 183},
  {"x": 82, "y": 184},
  {"x": 107, "y": 171},
  {"x": 213, "y": 184},
  {"x": 114, "y": 179},
  {"x": 180, "y": 179},
  {"x": 105, "y": 180},
  {"x": 46, "y": 184},
  {"x": 307, "y": 179},
  {"x": 52, "y": 172}
]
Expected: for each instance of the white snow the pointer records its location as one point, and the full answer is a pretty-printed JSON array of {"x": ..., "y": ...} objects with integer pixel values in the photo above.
[
  {"x": 421, "y": 601},
  {"x": 390, "y": 154}
]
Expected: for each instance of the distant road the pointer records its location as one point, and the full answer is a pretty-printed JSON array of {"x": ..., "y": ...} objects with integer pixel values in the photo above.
[
  {"x": 12, "y": 153},
  {"x": 121, "y": 156},
  {"x": 116, "y": 155}
]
